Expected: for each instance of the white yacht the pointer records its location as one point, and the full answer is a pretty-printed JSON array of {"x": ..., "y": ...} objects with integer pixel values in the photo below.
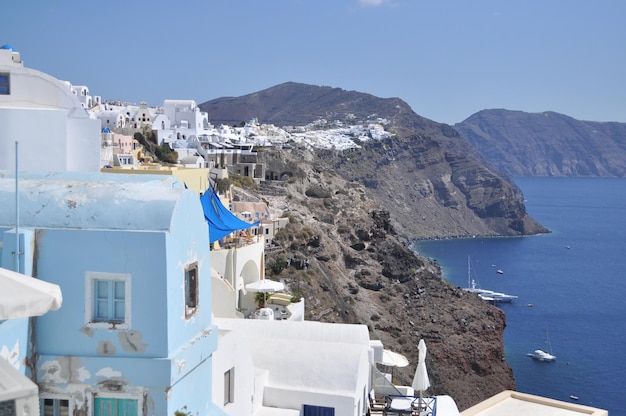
[
  {"x": 485, "y": 294},
  {"x": 541, "y": 355},
  {"x": 489, "y": 295}
]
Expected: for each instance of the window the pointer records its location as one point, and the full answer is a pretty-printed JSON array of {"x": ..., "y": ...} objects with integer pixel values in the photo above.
[
  {"x": 5, "y": 84},
  {"x": 191, "y": 289},
  {"x": 229, "y": 386},
  {"x": 55, "y": 407},
  {"x": 310, "y": 410},
  {"x": 107, "y": 300},
  {"x": 7, "y": 408}
]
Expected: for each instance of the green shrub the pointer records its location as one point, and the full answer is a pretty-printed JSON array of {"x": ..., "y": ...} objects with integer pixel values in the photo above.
[
  {"x": 165, "y": 154},
  {"x": 278, "y": 264},
  {"x": 244, "y": 182}
]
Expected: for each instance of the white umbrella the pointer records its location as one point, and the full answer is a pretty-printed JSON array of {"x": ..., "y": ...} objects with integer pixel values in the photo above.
[
  {"x": 22, "y": 296},
  {"x": 265, "y": 286},
  {"x": 394, "y": 359},
  {"x": 420, "y": 379}
]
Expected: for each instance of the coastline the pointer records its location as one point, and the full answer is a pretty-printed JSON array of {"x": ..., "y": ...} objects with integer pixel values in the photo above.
[{"x": 587, "y": 219}]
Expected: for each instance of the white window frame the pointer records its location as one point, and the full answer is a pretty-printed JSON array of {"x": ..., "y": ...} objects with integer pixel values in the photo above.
[{"x": 90, "y": 279}]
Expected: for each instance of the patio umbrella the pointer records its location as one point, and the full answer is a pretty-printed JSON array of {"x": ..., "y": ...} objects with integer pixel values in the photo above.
[
  {"x": 420, "y": 379},
  {"x": 265, "y": 286},
  {"x": 22, "y": 296},
  {"x": 394, "y": 359}
]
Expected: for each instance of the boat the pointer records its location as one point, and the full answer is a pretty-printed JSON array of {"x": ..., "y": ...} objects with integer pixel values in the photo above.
[
  {"x": 485, "y": 294},
  {"x": 499, "y": 271},
  {"x": 541, "y": 355}
]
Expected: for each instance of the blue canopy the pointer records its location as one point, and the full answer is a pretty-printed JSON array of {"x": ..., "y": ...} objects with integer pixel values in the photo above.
[{"x": 221, "y": 221}]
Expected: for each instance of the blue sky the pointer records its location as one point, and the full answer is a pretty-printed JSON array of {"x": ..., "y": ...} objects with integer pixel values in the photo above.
[{"x": 446, "y": 58}]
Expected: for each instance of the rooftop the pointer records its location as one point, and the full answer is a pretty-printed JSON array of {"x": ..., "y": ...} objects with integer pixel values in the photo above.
[
  {"x": 511, "y": 403},
  {"x": 90, "y": 200}
]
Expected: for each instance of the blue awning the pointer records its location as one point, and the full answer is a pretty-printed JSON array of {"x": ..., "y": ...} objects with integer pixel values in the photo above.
[{"x": 221, "y": 221}]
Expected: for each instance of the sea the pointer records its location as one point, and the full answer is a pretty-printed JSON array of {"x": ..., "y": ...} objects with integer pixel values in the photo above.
[{"x": 571, "y": 288}]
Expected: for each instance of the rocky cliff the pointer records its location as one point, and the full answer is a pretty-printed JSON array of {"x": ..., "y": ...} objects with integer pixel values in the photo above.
[
  {"x": 547, "y": 144},
  {"x": 353, "y": 214},
  {"x": 341, "y": 252}
]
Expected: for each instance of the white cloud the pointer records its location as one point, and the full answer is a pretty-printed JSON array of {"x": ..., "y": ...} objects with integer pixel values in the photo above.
[{"x": 372, "y": 3}]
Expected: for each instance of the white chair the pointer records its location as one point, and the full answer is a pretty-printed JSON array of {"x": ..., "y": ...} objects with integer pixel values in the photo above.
[{"x": 265, "y": 313}]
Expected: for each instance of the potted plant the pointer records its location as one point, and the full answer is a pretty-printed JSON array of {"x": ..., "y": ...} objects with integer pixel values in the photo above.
[{"x": 259, "y": 298}]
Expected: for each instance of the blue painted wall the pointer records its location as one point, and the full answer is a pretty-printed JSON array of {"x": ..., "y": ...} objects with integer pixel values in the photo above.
[
  {"x": 163, "y": 357},
  {"x": 64, "y": 256}
]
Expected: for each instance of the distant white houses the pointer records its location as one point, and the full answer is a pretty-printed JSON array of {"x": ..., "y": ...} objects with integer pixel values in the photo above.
[
  {"x": 186, "y": 120},
  {"x": 111, "y": 118},
  {"x": 82, "y": 92}
]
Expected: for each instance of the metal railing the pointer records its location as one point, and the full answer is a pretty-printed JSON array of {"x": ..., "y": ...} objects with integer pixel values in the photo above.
[{"x": 410, "y": 405}]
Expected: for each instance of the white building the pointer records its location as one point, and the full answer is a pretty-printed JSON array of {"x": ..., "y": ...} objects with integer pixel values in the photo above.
[
  {"x": 36, "y": 108},
  {"x": 185, "y": 121},
  {"x": 286, "y": 368},
  {"x": 82, "y": 92},
  {"x": 112, "y": 118}
]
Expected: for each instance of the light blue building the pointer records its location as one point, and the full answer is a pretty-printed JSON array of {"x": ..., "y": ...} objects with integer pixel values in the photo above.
[{"x": 131, "y": 254}]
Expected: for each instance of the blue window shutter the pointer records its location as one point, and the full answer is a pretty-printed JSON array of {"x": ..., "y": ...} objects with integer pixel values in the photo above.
[{"x": 109, "y": 300}]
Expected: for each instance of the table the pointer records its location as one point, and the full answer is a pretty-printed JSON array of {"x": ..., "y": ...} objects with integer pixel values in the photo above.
[{"x": 401, "y": 405}]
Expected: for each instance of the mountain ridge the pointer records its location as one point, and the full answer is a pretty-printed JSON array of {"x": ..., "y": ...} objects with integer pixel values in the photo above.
[
  {"x": 292, "y": 103},
  {"x": 546, "y": 144},
  {"x": 434, "y": 184}
]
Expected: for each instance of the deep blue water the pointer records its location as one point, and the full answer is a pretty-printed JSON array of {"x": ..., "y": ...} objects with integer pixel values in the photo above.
[{"x": 575, "y": 280}]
